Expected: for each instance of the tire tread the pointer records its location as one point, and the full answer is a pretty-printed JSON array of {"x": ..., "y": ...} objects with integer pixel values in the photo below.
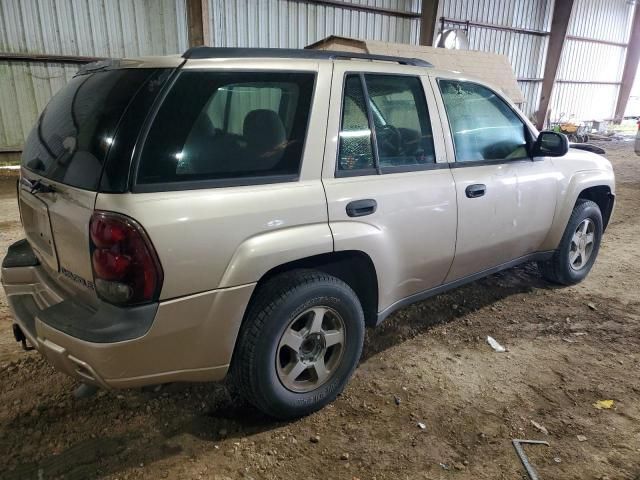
[
  {"x": 552, "y": 269},
  {"x": 270, "y": 295}
]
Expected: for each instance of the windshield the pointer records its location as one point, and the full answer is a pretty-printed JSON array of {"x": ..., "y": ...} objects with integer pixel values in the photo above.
[{"x": 77, "y": 128}]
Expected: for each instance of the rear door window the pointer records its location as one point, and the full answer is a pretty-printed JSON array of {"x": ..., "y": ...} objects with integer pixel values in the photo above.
[
  {"x": 356, "y": 150},
  {"x": 77, "y": 128},
  {"x": 226, "y": 128},
  {"x": 385, "y": 125}
]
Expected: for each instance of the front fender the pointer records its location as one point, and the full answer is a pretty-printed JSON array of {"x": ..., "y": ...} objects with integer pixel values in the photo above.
[{"x": 568, "y": 194}]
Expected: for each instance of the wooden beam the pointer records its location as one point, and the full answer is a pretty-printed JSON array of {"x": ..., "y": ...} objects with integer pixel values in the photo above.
[
  {"x": 428, "y": 21},
  {"x": 630, "y": 67},
  {"x": 195, "y": 23},
  {"x": 559, "y": 24}
]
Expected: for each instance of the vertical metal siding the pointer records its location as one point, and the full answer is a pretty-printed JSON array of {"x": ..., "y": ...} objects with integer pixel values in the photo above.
[
  {"x": 602, "y": 19},
  {"x": 295, "y": 24},
  {"x": 526, "y": 52},
  {"x": 588, "y": 61},
  {"x": 100, "y": 28}
]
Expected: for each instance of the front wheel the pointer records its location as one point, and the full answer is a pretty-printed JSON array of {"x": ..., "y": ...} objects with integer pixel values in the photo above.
[
  {"x": 299, "y": 345},
  {"x": 579, "y": 246}
]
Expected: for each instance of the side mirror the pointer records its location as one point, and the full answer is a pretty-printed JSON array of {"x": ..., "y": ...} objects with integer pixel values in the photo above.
[{"x": 550, "y": 144}]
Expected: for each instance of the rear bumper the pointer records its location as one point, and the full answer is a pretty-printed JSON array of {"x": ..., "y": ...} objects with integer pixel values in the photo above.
[{"x": 186, "y": 339}]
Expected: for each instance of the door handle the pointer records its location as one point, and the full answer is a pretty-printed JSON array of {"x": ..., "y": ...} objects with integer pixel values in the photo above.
[
  {"x": 476, "y": 190},
  {"x": 360, "y": 208}
]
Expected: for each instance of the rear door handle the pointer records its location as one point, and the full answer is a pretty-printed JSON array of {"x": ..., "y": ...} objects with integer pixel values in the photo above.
[
  {"x": 476, "y": 190},
  {"x": 360, "y": 208}
]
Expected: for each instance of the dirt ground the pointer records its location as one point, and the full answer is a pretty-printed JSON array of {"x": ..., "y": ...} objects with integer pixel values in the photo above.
[{"x": 429, "y": 363}]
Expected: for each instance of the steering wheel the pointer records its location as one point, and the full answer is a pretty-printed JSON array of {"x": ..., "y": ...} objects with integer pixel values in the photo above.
[{"x": 389, "y": 140}]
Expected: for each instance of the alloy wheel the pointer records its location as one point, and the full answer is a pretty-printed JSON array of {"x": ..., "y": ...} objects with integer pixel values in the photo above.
[{"x": 310, "y": 349}]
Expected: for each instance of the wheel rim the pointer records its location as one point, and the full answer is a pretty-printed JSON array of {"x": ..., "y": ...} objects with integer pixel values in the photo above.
[
  {"x": 582, "y": 243},
  {"x": 310, "y": 349}
]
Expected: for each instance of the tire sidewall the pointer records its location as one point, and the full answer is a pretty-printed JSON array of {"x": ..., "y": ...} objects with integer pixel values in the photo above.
[
  {"x": 343, "y": 301},
  {"x": 586, "y": 210}
]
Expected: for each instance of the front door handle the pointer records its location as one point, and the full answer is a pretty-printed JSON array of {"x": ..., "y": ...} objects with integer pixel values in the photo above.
[
  {"x": 360, "y": 208},
  {"x": 476, "y": 190}
]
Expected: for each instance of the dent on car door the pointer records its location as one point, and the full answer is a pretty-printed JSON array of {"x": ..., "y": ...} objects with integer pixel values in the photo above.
[
  {"x": 505, "y": 200},
  {"x": 385, "y": 152}
]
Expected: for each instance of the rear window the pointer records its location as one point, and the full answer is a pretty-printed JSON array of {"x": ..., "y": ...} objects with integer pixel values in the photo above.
[
  {"x": 73, "y": 135},
  {"x": 227, "y": 128}
]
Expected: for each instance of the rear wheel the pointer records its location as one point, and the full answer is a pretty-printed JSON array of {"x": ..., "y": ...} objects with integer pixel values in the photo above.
[
  {"x": 579, "y": 246},
  {"x": 300, "y": 343}
]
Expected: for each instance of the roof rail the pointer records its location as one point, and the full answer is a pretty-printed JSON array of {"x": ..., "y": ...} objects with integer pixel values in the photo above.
[{"x": 223, "y": 52}]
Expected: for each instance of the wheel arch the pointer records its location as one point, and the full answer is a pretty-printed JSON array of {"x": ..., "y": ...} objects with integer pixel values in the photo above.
[
  {"x": 595, "y": 185},
  {"x": 602, "y": 196},
  {"x": 353, "y": 267}
]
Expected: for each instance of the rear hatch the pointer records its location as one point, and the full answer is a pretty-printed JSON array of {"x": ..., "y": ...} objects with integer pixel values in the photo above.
[{"x": 82, "y": 144}]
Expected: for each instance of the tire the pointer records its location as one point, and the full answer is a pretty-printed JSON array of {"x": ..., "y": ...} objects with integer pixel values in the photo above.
[
  {"x": 564, "y": 267},
  {"x": 285, "y": 311}
]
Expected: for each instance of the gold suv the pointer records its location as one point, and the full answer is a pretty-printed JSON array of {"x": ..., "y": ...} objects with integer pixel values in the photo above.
[{"x": 251, "y": 211}]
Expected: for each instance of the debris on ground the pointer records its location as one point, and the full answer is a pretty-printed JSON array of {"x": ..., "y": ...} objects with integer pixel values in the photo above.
[
  {"x": 495, "y": 345},
  {"x": 396, "y": 399},
  {"x": 421, "y": 426},
  {"x": 315, "y": 439},
  {"x": 540, "y": 427},
  {"x": 517, "y": 444},
  {"x": 581, "y": 438},
  {"x": 604, "y": 404},
  {"x": 591, "y": 306}
]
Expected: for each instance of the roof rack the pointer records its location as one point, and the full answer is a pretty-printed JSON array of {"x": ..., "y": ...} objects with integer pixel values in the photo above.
[{"x": 223, "y": 52}]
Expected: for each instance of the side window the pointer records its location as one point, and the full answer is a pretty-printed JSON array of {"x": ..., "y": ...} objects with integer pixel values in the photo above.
[
  {"x": 401, "y": 118},
  {"x": 355, "y": 150},
  {"x": 228, "y": 125},
  {"x": 483, "y": 126},
  {"x": 398, "y": 109},
  {"x": 230, "y": 105}
]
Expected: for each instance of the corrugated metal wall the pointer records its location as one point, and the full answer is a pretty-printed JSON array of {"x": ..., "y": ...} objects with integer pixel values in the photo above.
[
  {"x": 588, "y": 61},
  {"x": 526, "y": 51},
  {"x": 118, "y": 28},
  {"x": 96, "y": 28},
  {"x": 296, "y": 24},
  {"x": 582, "y": 61},
  {"x": 144, "y": 27}
]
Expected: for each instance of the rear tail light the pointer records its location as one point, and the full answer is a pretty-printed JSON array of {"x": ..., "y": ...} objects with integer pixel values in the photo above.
[{"x": 126, "y": 270}]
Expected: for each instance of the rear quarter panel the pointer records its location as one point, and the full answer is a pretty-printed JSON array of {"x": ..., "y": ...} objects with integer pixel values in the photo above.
[
  {"x": 214, "y": 238},
  {"x": 224, "y": 237}
]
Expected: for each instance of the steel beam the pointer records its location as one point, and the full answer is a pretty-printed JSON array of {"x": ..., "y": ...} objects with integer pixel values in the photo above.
[
  {"x": 493, "y": 26},
  {"x": 195, "y": 23},
  {"x": 559, "y": 24},
  {"x": 630, "y": 67},
  {"x": 363, "y": 8},
  {"x": 595, "y": 40},
  {"x": 428, "y": 21},
  {"x": 35, "y": 57}
]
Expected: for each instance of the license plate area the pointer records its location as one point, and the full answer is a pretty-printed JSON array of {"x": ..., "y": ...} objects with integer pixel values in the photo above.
[{"x": 37, "y": 228}]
